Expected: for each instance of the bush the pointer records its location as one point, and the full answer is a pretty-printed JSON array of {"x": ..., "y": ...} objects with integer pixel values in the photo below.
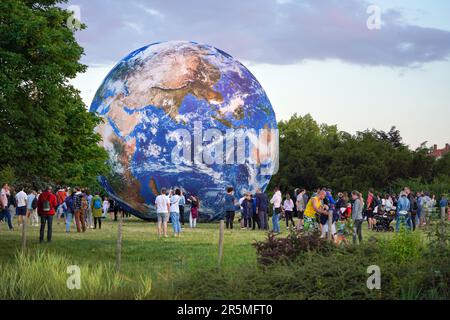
[{"x": 276, "y": 249}]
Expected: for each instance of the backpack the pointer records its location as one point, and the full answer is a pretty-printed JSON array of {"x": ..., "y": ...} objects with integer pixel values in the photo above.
[
  {"x": 84, "y": 203},
  {"x": 46, "y": 206},
  {"x": 34, "y": 203},
  {"x": 97, "y": 203}
]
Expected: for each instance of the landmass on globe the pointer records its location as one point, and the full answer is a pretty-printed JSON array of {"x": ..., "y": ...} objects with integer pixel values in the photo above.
[{"x": 166, "y": 86}]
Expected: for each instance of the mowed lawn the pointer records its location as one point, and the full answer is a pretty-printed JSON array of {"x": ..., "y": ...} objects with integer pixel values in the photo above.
[{"x": 144, "y": 253}]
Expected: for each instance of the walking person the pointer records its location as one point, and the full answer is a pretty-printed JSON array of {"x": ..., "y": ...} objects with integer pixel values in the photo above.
[
  {"x": 32, "y": 209},
  {"x": 288, "y": 207},
  {"x": 195, "y": 207},
  {"x": 277, "y": 209},
  {"x": 61, "y": 195},
  {"x": 357, "y": 216},
  {"x": 46, "y": 210},
  {"x": 69, "y": 204},
  {"x": 162, "y": 211},
  {"x": 21, "y": 211},
  {"x": 4, "y": 208},
  {"x": 229, "y": 207},
  {"x": 403, "y": 209},
  {"x": 370, "y": 211},
  {"x": 262, "y": 207},
  {"x": 175, "y": 212},
  {"x": 97, "y": 210}
]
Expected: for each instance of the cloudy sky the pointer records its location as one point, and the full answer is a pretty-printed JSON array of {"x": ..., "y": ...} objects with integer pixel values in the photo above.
[{"x": 311, "y": 56}]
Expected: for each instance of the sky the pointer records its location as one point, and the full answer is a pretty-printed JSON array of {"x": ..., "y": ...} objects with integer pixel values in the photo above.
[{"x": 310, "y": 56}]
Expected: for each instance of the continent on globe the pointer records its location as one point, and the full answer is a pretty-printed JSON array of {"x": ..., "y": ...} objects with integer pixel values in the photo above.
[{"x": 163, "y": 88}]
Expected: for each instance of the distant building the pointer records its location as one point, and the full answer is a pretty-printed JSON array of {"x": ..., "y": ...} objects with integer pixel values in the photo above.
[{"x": 438, "y": 153}]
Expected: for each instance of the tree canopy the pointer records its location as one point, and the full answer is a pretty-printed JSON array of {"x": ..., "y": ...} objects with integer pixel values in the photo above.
[
  {"x": 318, "y": 155},
  {"x": 47, "y": 134}
]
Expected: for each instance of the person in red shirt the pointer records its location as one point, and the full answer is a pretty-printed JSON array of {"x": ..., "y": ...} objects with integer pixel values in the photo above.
[{"x": 46, "y": 210}]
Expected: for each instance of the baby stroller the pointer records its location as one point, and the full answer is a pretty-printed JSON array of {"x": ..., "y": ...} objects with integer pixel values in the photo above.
[{"x": 384, "y": 220}]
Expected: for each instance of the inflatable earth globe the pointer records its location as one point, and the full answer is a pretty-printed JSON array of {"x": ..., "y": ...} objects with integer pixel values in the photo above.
[{"x": 189, "y": 99}]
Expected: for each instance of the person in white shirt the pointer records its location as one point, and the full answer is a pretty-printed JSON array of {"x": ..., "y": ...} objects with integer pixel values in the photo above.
[
  {"x": 32, "y": 212},
  {"x": 288, "y": 207},
  {"x": 106, "y": 205},
  {"x": 175, "y": 212},
  {"x": 276, "y": 201},
  {"x": 21, "y": 199},
  {"x": 162, "y": 204}
]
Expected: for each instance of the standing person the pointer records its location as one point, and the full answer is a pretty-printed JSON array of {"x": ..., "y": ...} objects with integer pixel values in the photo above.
[
  {"x": 427, "y": 208},
  {"x": 46, "y": 209},
  {"x": 420, "y": 218},
  {"x": 89, "y": 216},
  {"x": 195, "y": 206},
  {"x": 255, "y": 219},
  {"x": 413, "y": 207},
  {"x": 106, "y": 207},
  {"x": 175, "y": 212},
  {"x": 12, "y": 203},
  {"x": 247, "y": 210},
  {"x": 443, "y": 204},
  {"x": 182, "y": 203},
  {"x": 301, "y": 206},
  {"x": 21, "y": 200},
  {"x": 4, "y": 208},
  {"x": 61, "y": 195},
  {"x": 32, "y": 208},
  {"x": 97, "y": 213},
  {"x": 357, "y": 216},
  {"x": 370, "y": 214},
  {"x": 79, "y": 211},
  {"x": 162, "y": 211},
  {"x": 403, "y": 209},
  {"x": 262, "y": 206},
  {"x": 314, "y": 208},
  {"x": 69, "y": 204},
  {"x": 229, "y": 207},
  {"x": 288, "y": 207},
  {"x": 277, "y": 209}
]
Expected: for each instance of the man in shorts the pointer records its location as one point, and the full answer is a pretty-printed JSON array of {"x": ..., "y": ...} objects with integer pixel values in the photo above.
[
  {"x": 21, "y": 199},
  {"x": 162, "y": 204},
  {"x": 314, "y": 208}
]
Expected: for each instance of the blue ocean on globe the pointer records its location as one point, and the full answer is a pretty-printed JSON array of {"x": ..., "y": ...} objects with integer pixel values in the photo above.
[{"x": 159, "y": 89}]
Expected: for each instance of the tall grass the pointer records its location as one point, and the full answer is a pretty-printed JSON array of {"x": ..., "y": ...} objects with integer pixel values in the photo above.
[{"x": 43, "y": 276}]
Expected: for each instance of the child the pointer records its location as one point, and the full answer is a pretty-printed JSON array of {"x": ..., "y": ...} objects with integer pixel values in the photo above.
[{"x": 106, "y": 207}]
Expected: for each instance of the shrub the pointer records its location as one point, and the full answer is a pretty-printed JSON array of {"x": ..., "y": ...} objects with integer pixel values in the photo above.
[{"x": 275, "y": 249}]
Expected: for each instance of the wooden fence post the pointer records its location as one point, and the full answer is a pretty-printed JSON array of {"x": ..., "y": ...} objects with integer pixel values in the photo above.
[
  {"x": 330, "y": 225},
  {"x": 221, "y": 235},
  {"x": 119, "y": 244},
  {"x": 24, "y": 234}
]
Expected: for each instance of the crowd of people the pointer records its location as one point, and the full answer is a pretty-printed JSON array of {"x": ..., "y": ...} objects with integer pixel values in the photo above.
[
  {"x": 77, "y": 207},
  {"x": 313, "y": 210}
]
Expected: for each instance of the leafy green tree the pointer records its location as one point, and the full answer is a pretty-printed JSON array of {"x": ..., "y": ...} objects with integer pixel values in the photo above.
[{"x": 47, "y": 134}]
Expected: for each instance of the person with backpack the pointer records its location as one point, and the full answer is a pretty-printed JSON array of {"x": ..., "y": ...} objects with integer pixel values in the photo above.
[
  {"x": 79, "y": 207},
  {"x": 46, "y": 210},
  {"x": 60, "y": 197},
  {"x": 32, "y": 209},
  {"x": 97, "y": 210},
  {"x": 69, "y": 208}
]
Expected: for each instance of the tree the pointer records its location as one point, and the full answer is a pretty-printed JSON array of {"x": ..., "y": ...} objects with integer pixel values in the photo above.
[{"x": 47, "y": 133}]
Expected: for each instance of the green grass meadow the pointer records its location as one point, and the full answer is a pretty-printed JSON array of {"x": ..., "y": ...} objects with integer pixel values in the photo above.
[{"x": 151, "y": 268}]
